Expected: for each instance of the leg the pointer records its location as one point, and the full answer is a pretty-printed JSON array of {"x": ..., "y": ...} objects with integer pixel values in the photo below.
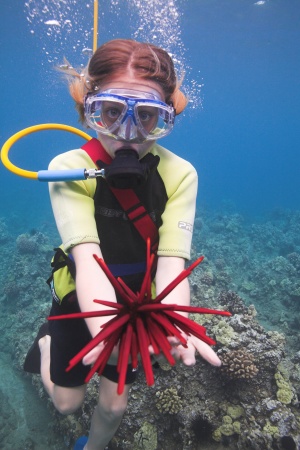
[
  {"x": 65, "y": 399},
  {"x": 107, "y": 415}
]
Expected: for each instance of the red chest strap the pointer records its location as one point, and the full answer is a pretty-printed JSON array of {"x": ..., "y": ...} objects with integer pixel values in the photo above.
[{"x": 127, "y": 198}]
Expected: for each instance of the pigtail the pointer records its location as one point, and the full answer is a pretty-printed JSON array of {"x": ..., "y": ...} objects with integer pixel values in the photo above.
[
  {"x": 178, "y": 98},
  {"x": 179, "y": 101},
  {"x": 77, "y": 86}
]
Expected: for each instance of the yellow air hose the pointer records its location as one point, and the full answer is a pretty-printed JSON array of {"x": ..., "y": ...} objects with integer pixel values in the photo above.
[
  {"x": 47, "y": 126},
  {"x": 13, "y": 139}
]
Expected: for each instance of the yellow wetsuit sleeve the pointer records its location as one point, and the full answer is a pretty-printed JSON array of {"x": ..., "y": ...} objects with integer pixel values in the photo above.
[
  {"x": 181, "y": 183},
  {"x": 73, "y": 202}
]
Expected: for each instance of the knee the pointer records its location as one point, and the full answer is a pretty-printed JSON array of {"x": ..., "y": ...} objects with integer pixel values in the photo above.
[
  {"x": 66, "y": 407},
  {"x": 112, "y": 411},
  {"x": 67, "y": 403}
]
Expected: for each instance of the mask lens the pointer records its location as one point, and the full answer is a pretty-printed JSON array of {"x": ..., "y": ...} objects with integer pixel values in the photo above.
[
  {"x": 147, "y": 117},
  {"x": 111, "y": 112},
  {"x": 129, "y": 117},
  {"x": 104, "y": 115},
  {"x": 154, "y": 121}
]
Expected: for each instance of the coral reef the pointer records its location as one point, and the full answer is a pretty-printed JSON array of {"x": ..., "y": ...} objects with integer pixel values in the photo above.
[
  {"x": 27, "y": 244},
  {"x": 288, "y": 443},
  {"x": 252, "y": 270},
  {"x": 224, "y": 333},
  {"x": 232, "y": 302},
  {"x": 201, "y": 427},
  {"x": 146, "y": 437},
  {"x": 285, "y": 393},
  {"x": 4, "y": 233},
  {"x": 168, "y": 401},
  {"x": 228, "y": 428},
  {"x": 207, "y": 278},
  {"x": 238, "y": 364}
]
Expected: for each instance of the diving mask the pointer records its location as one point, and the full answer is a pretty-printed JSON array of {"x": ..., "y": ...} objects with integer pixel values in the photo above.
[{"x": 129, "y": 115}]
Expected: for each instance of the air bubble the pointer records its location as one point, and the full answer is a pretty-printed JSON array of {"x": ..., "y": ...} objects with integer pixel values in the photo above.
[
  {"x": 52, "y": 22},
  {"x": 157, "y": 21}
]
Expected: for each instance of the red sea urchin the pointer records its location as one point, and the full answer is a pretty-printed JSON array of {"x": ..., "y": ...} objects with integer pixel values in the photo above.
[{"x": 139, "y": 322}]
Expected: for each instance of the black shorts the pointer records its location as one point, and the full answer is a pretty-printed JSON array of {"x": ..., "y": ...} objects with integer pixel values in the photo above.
[{"x": 68, "y": 337}]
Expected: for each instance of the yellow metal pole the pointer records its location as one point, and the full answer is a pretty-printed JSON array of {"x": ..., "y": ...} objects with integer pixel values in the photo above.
[{"x": 95, "y": 25}]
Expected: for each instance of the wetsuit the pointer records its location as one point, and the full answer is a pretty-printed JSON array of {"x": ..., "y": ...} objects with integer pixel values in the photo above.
[{"x": 86, "y": 211}]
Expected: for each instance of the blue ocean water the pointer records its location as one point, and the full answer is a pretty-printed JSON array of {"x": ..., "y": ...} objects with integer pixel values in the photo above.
[
  {"x": 241, "y": 130},
  {"x": 244, "y": 134}
]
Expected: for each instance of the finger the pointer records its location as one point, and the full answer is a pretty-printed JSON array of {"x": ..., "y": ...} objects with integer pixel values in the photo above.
[
  {"x": 150, "y": 349},
  {"x": 91, "y": 357},
  {"x": 184, "y": 354},
  {"x": 174, "y": 341},
  {"x": 207, "y": 353}
]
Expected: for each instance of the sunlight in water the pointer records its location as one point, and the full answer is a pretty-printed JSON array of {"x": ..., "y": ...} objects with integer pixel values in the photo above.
[
  {"x": 65, "y": 28},
  {"x": 61, "y": 25}
]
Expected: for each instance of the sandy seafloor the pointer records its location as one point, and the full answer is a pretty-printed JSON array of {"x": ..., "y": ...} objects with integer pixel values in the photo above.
[{"x": 259, "y": 260}]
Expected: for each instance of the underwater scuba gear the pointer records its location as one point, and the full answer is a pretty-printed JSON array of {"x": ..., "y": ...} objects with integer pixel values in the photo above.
[
  {"x": 45, "y": 175},
  {"x": 140, "y": 171},
  {"x": 62, "y": 278},
  {"x": 129, "y": 115},
  {"x": 126, "y": 171},
  {"x": 127, "y": 198}
]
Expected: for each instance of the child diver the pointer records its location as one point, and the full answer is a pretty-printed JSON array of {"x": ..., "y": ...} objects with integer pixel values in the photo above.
[{"x": 129, "y": 95}]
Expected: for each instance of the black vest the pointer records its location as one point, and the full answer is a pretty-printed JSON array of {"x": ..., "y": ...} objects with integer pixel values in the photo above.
[{"x": 123, "y": 248}]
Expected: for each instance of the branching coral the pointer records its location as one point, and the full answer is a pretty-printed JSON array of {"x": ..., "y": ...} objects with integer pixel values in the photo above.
[
  {"x": 238, "y": 364},
  {"x": 168, "y": 401}
]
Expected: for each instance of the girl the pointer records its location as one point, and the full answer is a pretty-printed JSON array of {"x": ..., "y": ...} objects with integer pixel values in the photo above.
[{"x": 130, "y": 96}]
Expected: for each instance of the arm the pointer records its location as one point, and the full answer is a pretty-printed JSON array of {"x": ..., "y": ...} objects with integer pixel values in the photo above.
[
  {"x": 167, "y": 269},
  {"x": 92, "y": 283},
  {"x": 73, "y": 202}
]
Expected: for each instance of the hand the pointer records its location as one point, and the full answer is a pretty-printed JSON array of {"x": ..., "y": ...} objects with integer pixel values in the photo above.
[
  {"x": 180, "y": 353},
  {"x": 187, "y": 355},
  {"x": 91, "y": 357}
]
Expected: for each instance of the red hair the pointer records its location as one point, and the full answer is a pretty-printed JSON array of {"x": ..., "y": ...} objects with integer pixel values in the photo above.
[{"x": 115, "y": 57}]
